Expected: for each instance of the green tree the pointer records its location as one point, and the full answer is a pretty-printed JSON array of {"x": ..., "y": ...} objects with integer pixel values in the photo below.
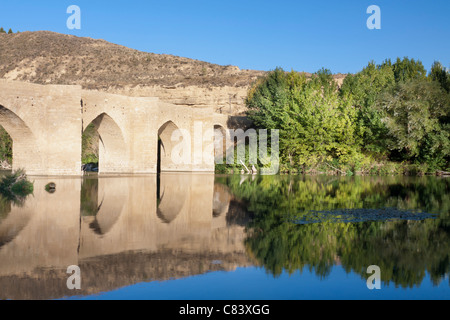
[
  {"x": 323, "y": 80},
  {"x": 6, "y": 145},
  {"x": 90, "y": 145},
  {"x": 2, "y": 30},
  {"x": 315, "y": 125},
  {"x": 408, "y": 69},
  {"x": 268, "y": 100},
  {"x": 440, "y": 74},
  {"x": 365, "y": 88},
  {"x": 10, "y": 31},
  {"x": 376, "y": 114},
  {"x": 362, "y": 90},
  {"x": 415, "y": 114}
]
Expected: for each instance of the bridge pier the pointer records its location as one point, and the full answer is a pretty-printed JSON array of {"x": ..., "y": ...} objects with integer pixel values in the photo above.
[{"x": 44, "y": 123}]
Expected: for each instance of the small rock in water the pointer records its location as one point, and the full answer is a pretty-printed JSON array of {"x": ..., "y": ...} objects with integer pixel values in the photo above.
[{"x": 51, "y": 187}]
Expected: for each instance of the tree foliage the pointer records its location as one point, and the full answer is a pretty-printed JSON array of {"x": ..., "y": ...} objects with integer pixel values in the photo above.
[
  {"x": 363, "y": 90},
  {"x": 440, "y": 74},
  {"x": 6, "y": 145},
  {"x": 90, "y": 145},
  {"x": 9, "y": 31},
  {"x": 315, "y": 124},
  {"x": 390, "y": 111},
  {"x": 408, "y": 69},
  {"x": 415, "y": 114}
]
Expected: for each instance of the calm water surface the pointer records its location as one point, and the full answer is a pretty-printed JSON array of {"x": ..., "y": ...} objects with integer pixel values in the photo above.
[{"x": 185, "y": 236}]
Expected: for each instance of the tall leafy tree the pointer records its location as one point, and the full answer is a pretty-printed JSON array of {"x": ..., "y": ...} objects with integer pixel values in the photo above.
[
  {"x": 362, "y": 90},
  {"x": 269, "y": 102},
  {"x": 408, "y": 69},
  {"x": 415, "y": 114},
  {"x": 323, "y": 80},
  {"x": 315, "y": 125},
  {"x": 440, "y": 74}
]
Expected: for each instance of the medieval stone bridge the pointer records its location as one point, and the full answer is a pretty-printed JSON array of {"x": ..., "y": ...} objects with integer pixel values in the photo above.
[{"x": 46, "y": 123}]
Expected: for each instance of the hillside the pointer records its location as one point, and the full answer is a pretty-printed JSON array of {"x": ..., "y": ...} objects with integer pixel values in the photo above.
[{"x": 45, "y": 57}]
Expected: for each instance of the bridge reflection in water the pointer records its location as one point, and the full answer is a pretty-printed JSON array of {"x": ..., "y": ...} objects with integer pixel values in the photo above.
[{"x": 130, "y": 230}]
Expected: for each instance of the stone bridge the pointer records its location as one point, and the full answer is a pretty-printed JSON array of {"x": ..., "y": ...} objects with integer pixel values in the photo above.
[{"x": 46, "y": 123}]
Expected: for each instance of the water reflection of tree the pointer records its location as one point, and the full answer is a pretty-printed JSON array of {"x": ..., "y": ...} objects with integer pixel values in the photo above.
[
  {"x": 89, "y": 197},
  {"x": 11, "y": 224},
  {"x": 5, "y": 208},
  {"x": 405, "y": 250}
]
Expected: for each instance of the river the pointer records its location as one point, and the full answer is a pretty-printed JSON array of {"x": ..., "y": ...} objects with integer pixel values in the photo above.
[{"x": 203, "y": 236}]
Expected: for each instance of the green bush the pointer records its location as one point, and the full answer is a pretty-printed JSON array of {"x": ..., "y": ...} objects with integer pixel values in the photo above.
[
  {"x": 16, "y": 187},
  {"x": 22, "y": 188}
]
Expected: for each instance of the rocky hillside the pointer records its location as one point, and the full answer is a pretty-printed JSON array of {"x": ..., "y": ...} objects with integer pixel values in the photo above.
[{"x": 45, "y": 57}]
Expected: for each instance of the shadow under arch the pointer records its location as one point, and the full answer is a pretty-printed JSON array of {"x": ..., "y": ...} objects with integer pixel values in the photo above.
[
  {"x": 166, "y": 150},
  {"x": 25, "y": 149},
  {"x": 221, "y": 136},
  {"x": 112, "y": 149},
  {"x": 103, "y": 201},
  {"x": 172, "y": 197}
]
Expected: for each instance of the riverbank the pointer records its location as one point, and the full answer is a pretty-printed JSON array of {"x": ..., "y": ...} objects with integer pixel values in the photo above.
[{"x": 369, "y": 169}]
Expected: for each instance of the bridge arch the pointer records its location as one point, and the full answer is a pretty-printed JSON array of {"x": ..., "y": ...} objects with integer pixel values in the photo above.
[
  {"x": 171, "y": 154},
  {"x": 221, "y": 136},
  {"x": 172, "y": 197},
  {"x": 113, "y": 157},
  {"x": 103, "y": 201},
  {"x": 25, "y": 149}
]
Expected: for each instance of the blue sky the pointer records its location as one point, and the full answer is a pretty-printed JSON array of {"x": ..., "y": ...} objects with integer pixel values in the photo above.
[
  {"x": 293, "y": 34},
  {"x": 256, "y": 284}
]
